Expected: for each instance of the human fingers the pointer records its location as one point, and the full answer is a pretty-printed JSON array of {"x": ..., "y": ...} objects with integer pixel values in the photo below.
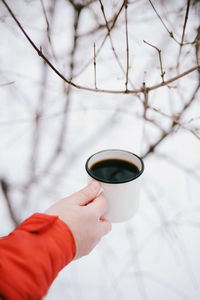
[
  {"x": 87, "y": 194},
  {"x": 99, "y": 206}
]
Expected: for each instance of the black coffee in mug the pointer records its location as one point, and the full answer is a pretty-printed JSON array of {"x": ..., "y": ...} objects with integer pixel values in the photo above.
[{"x": 114, "y": 170}]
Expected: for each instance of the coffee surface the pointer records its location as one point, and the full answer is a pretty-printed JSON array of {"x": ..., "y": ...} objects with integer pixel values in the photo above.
[{"x": 114, "y": 170}]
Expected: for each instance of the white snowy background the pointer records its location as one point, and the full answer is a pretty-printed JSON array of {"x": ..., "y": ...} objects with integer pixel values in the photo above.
[{"x": 156, "y": 254}]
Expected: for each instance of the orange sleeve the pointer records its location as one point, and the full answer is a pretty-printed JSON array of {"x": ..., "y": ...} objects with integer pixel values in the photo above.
[{"x": 32, "y": 255}]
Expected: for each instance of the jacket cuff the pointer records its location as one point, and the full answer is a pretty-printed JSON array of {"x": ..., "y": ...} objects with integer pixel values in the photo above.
[
  {"x": 54, "y": 228},
  {"x": 32, "y": 255}
]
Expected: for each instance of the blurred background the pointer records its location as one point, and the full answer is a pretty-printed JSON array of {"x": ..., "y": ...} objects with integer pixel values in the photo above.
[{"x": 135, "y": 86}]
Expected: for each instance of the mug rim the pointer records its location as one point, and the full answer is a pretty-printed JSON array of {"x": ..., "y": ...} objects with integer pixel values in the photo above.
[{"x": 114, "y": 182}]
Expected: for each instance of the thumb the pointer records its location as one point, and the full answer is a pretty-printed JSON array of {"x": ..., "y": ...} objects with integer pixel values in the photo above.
[{"x": 88, "y": 193}]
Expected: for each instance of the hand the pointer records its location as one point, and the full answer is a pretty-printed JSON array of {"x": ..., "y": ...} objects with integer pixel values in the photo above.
[{"x": 83, "y": 212}]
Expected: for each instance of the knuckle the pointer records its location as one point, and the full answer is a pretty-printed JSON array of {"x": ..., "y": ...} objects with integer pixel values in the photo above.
[{"x": 86, "y": 193}]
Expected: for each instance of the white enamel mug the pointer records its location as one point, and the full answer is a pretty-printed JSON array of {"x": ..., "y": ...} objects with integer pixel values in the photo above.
[{"x": 122, "y": 197}]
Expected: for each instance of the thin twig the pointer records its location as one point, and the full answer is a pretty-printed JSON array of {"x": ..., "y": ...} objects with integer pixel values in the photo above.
[
  {"x": 125, "y": 72},
  {"x": 62, "y": 135},
  {"x": 127, "y": 46},
  {"x": 5, "y": 189},
  {"x": 154, "y": 87},
  {"x": 197, "y": 47},
  {"x": 96, "y": 29},
  {"x": 160, "y": 59},
  {"x": 95, "y": 68},
  {"x": 46, "y": 19},
  {"x": 194, "y": 131},
  {"x": 152, "y": 147},
  {"x": 185, "y": 22},
  {"x": 109, "y": 36},
  {"x": 145, "y": 100},
  {"x": 183, "y": 33},
  {"x": 170, "y": 32},
  {"x": 7, "y": 83},
  {"x": 70, "y": 82},
  {"x": 104, "y": 40}
]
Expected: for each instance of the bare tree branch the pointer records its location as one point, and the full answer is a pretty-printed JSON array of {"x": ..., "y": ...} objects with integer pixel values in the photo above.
[
  {"x": 6, "y": 83},
  {"x": 170, "y": 32},
  {"x": 174, "y": 123},
  {"x": 105, "y": 38},
  {"x": 183, "y": 33},
  {"x": 127, "y": 46},
  {"x": 5, "y": 189},
  {"x": 160, "y": 59},
  {"x": 91, "y": 89},
  {"x": 95, "y": 68}
]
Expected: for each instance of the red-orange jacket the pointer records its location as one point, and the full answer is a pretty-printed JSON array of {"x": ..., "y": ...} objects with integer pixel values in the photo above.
[{"x": 32, "y": 255}]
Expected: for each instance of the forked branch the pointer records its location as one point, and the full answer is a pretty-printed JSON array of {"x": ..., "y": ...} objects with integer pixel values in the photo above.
[
  {"x": 70, "y": 82},
  {"x": 160, "y": 59}
]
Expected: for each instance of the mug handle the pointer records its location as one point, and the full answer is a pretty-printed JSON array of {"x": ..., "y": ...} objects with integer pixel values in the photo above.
[{"x": 100, "y": 191}]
